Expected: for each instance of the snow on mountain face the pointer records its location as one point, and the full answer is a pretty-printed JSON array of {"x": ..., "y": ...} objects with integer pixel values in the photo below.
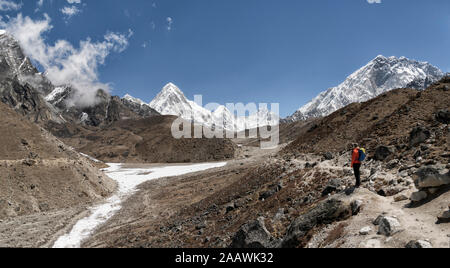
[
  {"x": 172, "y": 101},
  {"x": 14, "y": 63},
  {"x": 377, "y": 77},
  {"x": 134, "y": 100}
]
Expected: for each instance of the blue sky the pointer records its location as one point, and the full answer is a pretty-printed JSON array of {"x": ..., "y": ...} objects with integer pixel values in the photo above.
[{"x": 284, "y": 51}]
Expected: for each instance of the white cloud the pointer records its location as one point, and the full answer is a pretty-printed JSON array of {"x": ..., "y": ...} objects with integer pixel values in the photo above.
[
  {"x": 169, "y": 23},
  {"x": 70, "y": 11},
  {"x": 39, "y": 5},
  {"x": 64, "y": 63},
  {"x": 374, "y": 1},
  {"x": 6, "y": 5}
]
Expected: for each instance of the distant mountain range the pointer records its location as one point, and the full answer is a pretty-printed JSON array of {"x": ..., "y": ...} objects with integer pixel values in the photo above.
[
  {"x": 380, "y": 75},
  {"x": 172, "y": 101},
  {"x": 30, "y": 93}
]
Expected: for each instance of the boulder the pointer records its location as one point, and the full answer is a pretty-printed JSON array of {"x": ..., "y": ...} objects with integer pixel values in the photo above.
[
  {"x": 418, "y": 196},
  {"x": 326, "y": 212},
  {"x": 389, "y": 226},
  {"x": 267, "y": 194},
  {"x": 418, "y": 135},
  {"x": 383, "y": 152},
  {"x": 443, "y": 116},
  {"x": 328, "y": 156},
  {"x": 356, "y": 207},
  {"x": 365, "y": 231},
  {"x": 431, "y": 176},
  {"x": 419, "y": 244},
  {"x": 332, "y": 186},
  {"x": 254, "y": 235},
  {"x": 444, "y": 216},
  {"x": 229, "y": 207}
]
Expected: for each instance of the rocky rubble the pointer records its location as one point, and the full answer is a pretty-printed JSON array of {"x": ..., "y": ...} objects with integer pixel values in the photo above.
[
  {"x": 254, "y": 235},
  {"x": 430, "y": 180}
]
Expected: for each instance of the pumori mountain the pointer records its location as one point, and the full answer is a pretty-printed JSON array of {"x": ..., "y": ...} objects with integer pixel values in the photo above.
[
  {"x": 379, "y": 76},
  {"x": 172, "y": 101}
]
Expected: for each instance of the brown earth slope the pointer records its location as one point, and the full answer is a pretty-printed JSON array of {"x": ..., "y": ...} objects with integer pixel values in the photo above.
[
  {"x": 386, "y": 120},
  {"x": 39, "y": 173},
  {"x": 146, "y": 140}
]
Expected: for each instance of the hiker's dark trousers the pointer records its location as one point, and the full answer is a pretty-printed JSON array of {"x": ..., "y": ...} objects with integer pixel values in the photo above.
[{"x": 357, "y": 169}]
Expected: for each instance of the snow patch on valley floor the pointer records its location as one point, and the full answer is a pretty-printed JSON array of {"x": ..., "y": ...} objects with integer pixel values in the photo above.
[{"x": 127, "y": 179}]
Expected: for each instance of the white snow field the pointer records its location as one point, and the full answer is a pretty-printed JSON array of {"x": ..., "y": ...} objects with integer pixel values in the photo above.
[{"x": 127, "y": 179}]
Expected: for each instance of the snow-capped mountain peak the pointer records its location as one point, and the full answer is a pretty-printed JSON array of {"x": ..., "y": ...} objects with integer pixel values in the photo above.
[
  {"x": 134, "y": 100},
  {"x": 172, "y": 101},
  {"x": 380, "y": 75}
]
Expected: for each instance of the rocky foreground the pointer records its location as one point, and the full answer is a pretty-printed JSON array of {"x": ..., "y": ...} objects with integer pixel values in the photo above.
[{"x": 300, "y": 201}]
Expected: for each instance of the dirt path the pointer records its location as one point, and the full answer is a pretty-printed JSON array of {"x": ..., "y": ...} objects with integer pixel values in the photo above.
[{"x": 417, "y": 223}]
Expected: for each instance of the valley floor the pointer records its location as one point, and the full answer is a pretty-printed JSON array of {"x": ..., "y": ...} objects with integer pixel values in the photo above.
[{"x": 207, "y": 206}]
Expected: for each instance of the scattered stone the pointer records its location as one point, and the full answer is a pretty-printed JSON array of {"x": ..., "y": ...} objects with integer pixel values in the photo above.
[
  {"x": 418, "y": 196},
  {"x": 389, "y": 226},
  {"x": 365, "y": 231},
  {"x": 254, "y": 235},
  {"x": 332, "y": 186},
  {"x": 400, "y": 198},
  {"x": 356, "y": 207},
  {"x": 419, "y": 244},
  {"x": 267, "y": 194},
  {"x": 230, "y": 207},
  {"x": 445, "y": 216},
  {"x": 328, "y": 156}
]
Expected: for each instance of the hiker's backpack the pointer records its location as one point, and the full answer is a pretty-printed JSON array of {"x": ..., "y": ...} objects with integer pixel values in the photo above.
[{"x": 362, "y": 154}]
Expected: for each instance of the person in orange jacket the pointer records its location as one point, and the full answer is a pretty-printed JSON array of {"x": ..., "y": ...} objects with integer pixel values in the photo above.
[{"x": 356, "y": 165}]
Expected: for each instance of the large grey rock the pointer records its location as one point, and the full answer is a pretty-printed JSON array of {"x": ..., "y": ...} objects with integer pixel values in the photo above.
[
  {"x": 383, "y": 152},
  {"x": 332, "y": 186},
  {"x": 254, "y": 235},
  {"x": 418, "y": 135},
  {"x": 445, "y": 216},
  {"x": 389, "y": 226},
  {"x": 432, "y": 176},
  {"x": 418, "y": 196},
  {"x": 443, "y": 116},
  {"x": 419, "y": 244},
  {"x": 326, "y": 212}
]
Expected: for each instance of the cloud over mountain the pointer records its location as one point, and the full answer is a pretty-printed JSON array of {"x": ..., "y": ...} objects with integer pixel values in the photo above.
[{"x": 63, "y": 62}]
